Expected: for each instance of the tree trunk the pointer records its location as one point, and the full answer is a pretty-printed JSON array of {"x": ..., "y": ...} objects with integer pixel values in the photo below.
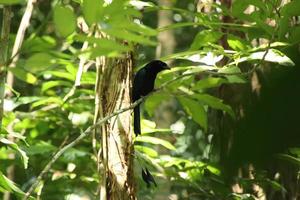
[{"x": 116, "y": 135}]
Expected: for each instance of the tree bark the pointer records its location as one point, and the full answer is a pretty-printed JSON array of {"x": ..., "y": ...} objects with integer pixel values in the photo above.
[{"x": 116, "y": 136}]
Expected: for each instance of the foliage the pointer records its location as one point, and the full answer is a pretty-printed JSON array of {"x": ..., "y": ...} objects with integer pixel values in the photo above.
[{"x": 44, "y": 114}]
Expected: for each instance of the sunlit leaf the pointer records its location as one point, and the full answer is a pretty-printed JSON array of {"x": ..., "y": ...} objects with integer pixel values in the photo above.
[
  {"x": 205, "y": 37},
  {"x": 23, "y": 75},
  {"x": 39, "y": 62},
  {"x": 129, "y": 36},
  {"x": 17, "y": 148},
  {"x": 209, "y": 82},
  {"x": 92, "y": 10},
  {"x": 64, "y": 20},
  {"x": 195, "y": 110},
  {"x": 8, "y": 185},
  {"x": 50, "y": 84},
  {"x": 147, "y": 150},
  {"x": 154, "y": 140}
]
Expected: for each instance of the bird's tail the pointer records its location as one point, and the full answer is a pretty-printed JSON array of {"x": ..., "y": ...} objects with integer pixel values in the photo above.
[{"x": 136, "y": 121}]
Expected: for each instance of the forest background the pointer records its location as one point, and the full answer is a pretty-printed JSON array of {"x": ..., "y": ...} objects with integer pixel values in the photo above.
[{"x": 223, "y": 123}]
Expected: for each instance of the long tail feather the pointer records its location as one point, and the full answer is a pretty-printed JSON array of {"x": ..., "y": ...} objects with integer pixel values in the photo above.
[{"x": 137, "y": 120}]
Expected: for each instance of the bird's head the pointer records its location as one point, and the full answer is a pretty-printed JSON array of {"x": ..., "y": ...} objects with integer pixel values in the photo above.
[{"x": 158, "y": 65}]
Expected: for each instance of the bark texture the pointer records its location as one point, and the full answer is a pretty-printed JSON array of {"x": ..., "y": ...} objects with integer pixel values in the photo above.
[{"x": 116, "y": 135}]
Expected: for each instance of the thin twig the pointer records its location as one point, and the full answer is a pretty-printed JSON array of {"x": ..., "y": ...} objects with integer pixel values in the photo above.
[
  {"x": 81, "y": 65},
  {"x": 19, "y": 40}
]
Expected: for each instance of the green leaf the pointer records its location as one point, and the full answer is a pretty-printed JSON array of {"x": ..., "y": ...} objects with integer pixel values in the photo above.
[
  {"x": 275, "y": 185},
  {"x": 73, "y": 154},
  {"x": 205, "y": 37},
  {"x": 294, "y": 35},
  {"x": 236, "y": 43},
  {"x": 60, "y": 74},
  {"x": 38, "y": 44},
  {"x": 291, "y": 9},
  {"x": 88, "y": 78},
  {"x": 24, "y": 100},
  {"x": 23, "y": 75},
  {"x": 147, "y": 150},
  {"x": 153, "y": 101},
  {"x": 16, "y": 147},
  {"x": 289, "y": 158},
  {"x": 209, "y": 82},
  {"x": 214, "y": 102},
  {"x": 11, "y": 2},
  {"x": 64, "y": 20},
  {"x": 40, "y": 148},
  {"x": 273, "y": 55},
  {"x": 150, "y": 127},
  {"x": 154, "y": 140},
  {"x": 47, "y": 101},
  {"x": 50, "y": 84},
  {"x": 39, "y": 62},
  {"x": 129, "y": 36},
  {"x": 195, "y": 110},
  {"x": 10, "y": 186},
  {"x": 104, "y": 46},
  {"x": 92, "y": 10}
]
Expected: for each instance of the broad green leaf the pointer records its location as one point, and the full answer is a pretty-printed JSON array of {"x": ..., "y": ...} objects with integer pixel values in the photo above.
[
  {"x": 60, "y": 74},
  {"x": 195, "y": 110},
  {"x": 147, "y": 150},
  {"x": 295, "y": 151},
  {"x": 214, "y": 102},
  {"x": 236, "y": 43},
  {"x": 141, "y": 29},
  {"x": 11, "y": 2},
  {"x": 148, "y": 126},
  {"x": 103, "y": 43},
  {"x": 129, "y": 36},
  {"x": 7, "y": 185},
  {"x": 47, "y": 101},
  {"x": 289, "y": 158},
  {"x": 294, "y": 35},
  {"x": 18, "y": 149},
  {"x": 23, "y": 75},
  {"x": 64, "y": 20},
  {"x": 88, "y": 78},
  {"x": 283, "y": 27},
  {"x": 39, "y": 62},
  {"x": 209, "y": 82},
  {"x": 153, "y": 101},
  {"x": 92, "y": 10},
  {"x": 50, "y": 84},
  {"x": 24, "y": 100},
  {"x": 291, "y": 9},
  {"x": 273, "y": 55},
  {"x": 154, "y": 140},
  {"x": 205, "y": 37},
  {"x": 229, "y": 70},
  {"x": 40, "y": 148},
  {"x": 275, "y": 185},
  {"x": 38, "y": 44}
]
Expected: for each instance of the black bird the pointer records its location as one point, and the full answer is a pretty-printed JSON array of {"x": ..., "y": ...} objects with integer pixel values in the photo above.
[
  {"x": 143, "y": 84},
  {"x": 148, "y": 178}
]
